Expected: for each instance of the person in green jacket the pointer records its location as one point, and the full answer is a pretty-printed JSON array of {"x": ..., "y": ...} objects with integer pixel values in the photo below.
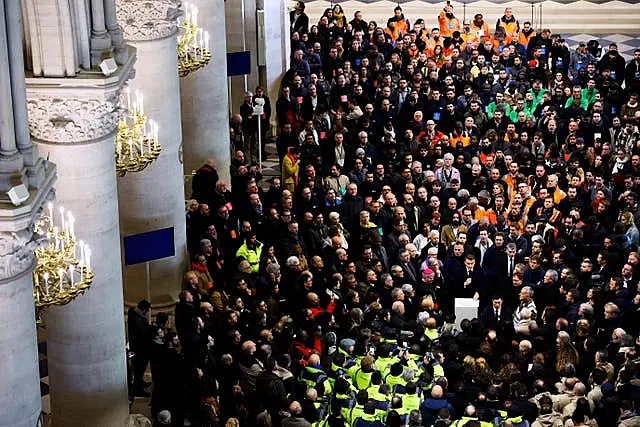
[
  {"x": 251, "y": 250},
  {"x": 500, "y": 104}
]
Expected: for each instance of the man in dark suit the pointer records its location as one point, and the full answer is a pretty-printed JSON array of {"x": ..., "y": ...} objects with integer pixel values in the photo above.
[
  {"x": 470, "y": 284},
  {"x": 410, "y": 273},
  {"x": 495, "y": 314}
]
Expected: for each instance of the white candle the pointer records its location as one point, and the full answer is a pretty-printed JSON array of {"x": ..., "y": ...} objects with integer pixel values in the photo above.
[
  {"x": 70, "y": 221},
  {"x": 155, "y": 135},
  {"x": 187, "y": 18},
  {"x": 128, "y": 91},
  {"x": 130, "y": 149},
  {"x": 50, "y": 205},
  {"x": 194, "y": 13},
  {"x": 206, "y": 41},
  {"x": 88, "y": 260},
  {"x": 61, "y": 219},
  {"x": 60, "y": 275},
  {"x": 81, "y": 245},
  {"x": 71, "y": 275},
  {"x": 141, "y": 105},
  {"x": 46, "y": 283}
]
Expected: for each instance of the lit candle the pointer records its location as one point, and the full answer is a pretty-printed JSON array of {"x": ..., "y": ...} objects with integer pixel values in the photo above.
[
  {"x": 46, "y": 284},
  {"x": 71, "y": 275},
  {"x": 155, "y": 135},
  {"x": 130, "y": 149},
  {"x": 119, "y": 147},
  {"x": 194, "y": 15},
  {"x": 206, "y": 41},
  {"x": 61, "y": 219},
  {"x": 71, "y": 221},
  {"x": 150, "y": 137},
  {"x": 55, "y": 236},
  {"x": 128, "y": 91},
  {"x": 187, "y": 18},
  {"x": 60, "y": 275},
  {"x": 81, "y": 245},
  {"x": 88, "y": 259}
]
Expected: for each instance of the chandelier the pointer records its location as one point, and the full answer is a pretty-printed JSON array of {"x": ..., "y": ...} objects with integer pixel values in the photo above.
[
  {"x": 63, "y": 267},
  {"x": 193, "y": 43},
  {"x": 137, "y": 138}
]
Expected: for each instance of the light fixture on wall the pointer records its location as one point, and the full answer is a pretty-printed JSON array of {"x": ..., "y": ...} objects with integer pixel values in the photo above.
[
  {"x": 63, "y": 267},
  {"x": 193, "y": 43},
  {"x": 136, "y": 145}
]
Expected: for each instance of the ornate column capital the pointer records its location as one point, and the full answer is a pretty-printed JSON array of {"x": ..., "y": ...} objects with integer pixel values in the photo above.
[
  {"x": 17, "y": 252},
  {"x": 73, "y": 120},
  {"x": 148, "y": 19},
  {"x": 79, "y": 110}
]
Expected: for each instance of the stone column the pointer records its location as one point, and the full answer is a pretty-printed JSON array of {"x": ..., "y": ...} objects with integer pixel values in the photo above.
[
  {"x": 154, "y": 198},
  {"x": 241, "y": 35},
  {"x": 277, "y": 50},
  {"x": 205, "y": 99},
  {"x": 73, "y": 123},
  {"x": 20, "y": 385}
]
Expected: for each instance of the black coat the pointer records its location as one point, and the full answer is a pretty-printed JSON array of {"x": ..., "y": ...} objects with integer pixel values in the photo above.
[{"x": 139, "y": 332}]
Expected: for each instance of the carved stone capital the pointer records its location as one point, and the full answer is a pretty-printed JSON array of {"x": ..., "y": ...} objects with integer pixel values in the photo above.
[
  {"x": 73, "y": 120},
  {"x": 16, "y": 252},
  {"x": 147, "y": 19}
]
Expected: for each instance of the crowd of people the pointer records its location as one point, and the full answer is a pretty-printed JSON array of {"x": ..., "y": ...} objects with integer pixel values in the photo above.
[{"x": 418, "y": 165}]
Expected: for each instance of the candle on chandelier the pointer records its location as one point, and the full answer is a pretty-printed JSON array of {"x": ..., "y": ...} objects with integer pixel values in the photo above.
[
  {"x": 71, "y": 221},
  {"x": 187, "y": 16},
  {"x": 61, "y": 275},
  {"x": 61, "y": 218},
  {"x": 130, "y": 149},
  {"x": 50, "y": 206},
  {"x": 128, "y": 91},
  {"x": 46, "y": 283},
  {"x": 155, "y": 135},
  {"x": 141, "y": 105},
  {"x": 71, "y": 275},
  {"x": 88, "y": 259},
  {"x": 194, "y": 15},
  {"x": 206, "y": 41},
  {"x": 150, "y": 137},
  {"x": 81, "y": 245}
]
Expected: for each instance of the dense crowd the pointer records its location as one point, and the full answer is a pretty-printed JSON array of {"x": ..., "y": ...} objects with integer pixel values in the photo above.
[{"x": 419, "y": 165}]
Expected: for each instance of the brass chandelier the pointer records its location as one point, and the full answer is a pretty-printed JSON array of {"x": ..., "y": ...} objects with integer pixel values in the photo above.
[
  {"x": 193, "y": 43},
  {"x": 136, "y": 145},
  {"x": 63, "y": 267}
]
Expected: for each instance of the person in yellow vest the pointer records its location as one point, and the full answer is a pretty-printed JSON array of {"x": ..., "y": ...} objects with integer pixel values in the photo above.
[
  {"x": 431, "y": 329},
  {"x": 524, "y": 37},
  {"x": 510, "y": 24},
  {"x": 447, "y": 21},
  {"x": 251, "y": 250}
]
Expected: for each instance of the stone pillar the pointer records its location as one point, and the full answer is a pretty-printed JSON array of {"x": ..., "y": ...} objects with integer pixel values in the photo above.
[
  {"x": 242, "y": 36},
  {"x": 205, "y": 99},
  {"x": 73, "y": 122},
  {"x": 277, "y": 50},
  {"x": 154, "y": 198},
  {"x": 20, "y": 385}
]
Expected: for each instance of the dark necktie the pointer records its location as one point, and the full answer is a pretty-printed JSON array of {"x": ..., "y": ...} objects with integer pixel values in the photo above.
[{"x": 510, "y": 266}]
